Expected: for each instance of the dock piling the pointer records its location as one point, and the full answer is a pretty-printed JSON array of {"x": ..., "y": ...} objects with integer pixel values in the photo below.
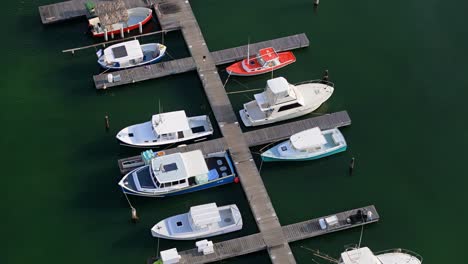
[
  {"x": 140, "y": 27},
  {"x": 351, "y": 166},
  {"x": 122, "y": 35},
  {"x": 106, "y": 118},
  {"x": 106, "y": 36},
  {"x": 316, "y": 2}
]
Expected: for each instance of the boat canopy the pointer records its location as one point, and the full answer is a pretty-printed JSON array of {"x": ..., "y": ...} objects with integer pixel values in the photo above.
[
  {"x": 204, "y": 215},
  {"x": 179, "y": 166},
  {"x": 170, "y": 122},
  {"x": 123, "y": 52},
  {"x": 361, "y": 255},
  {"x": 277, "y": 91},
  {"x": 307, "y": 139}
]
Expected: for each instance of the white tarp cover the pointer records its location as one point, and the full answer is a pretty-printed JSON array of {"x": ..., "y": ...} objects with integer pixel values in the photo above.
[
  {"x": 307, "y": 139},
  {"x": 170, "y": 256},
  {"x": 205, "y": 214},
  {"x": 277, "y": 91},
  {"x": 361, "y": 255},
  {"x": 170, "y": 122},
  {"x": 132, "y": 48},
  {"x": 195, "y": 163}
]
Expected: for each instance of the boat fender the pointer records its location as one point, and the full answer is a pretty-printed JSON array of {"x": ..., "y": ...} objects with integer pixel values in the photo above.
[{"x": 236, "y": 180}]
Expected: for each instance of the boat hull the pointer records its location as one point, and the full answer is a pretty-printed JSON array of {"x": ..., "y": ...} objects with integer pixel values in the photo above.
[
  {"x": 126, "y": 29},
  {"x": 199, "y": 187},
  {"x": 237, "y": 69},
  {"x": 279, "y": 158},
  {"x": 152, "y": 61}
]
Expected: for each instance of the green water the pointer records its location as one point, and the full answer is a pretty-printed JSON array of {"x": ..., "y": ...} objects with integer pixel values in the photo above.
[{"x": 399, "y": 68}]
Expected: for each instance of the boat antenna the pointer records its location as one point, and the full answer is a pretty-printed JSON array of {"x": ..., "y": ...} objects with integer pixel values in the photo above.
[{"x": 248, "y": 50}]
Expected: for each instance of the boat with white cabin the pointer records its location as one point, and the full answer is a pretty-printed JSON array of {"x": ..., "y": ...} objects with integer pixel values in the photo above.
[
  {"x": 130, "y": 54},
  {"x": 309, "y": 144},
  {"x": 281, "y": 101},
  {"x": 179, "y": 173},
  {"x": 166, "y": 128},
  {"x": 393, "y": 256},
  {"x": 111, "y": 20},
  {"x": 201, "y": 221}
]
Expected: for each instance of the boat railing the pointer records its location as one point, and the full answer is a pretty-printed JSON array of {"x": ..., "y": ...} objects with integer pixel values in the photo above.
[
  {"x": 402, "y": 250},
  {"x": 317, "y": 81}
]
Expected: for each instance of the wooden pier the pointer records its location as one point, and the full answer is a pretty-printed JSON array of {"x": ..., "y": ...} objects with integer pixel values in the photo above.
[
  {"x": 253, "y": 138},
  {"x": 68, "y": 10},
  {"x": 220, "y": 57},
  {"x": 178, "y": 14},
  {"x": 294, "y": 232}
]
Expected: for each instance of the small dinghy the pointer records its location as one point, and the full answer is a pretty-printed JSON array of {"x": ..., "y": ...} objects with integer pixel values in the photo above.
[
  {"x": 166, "y": 128},
  {"x": 112, "y": 17},
  {"x": 309, "y": 144},
  {"x": 130, "y": 54},
  {"x": 267, "y": 60},
  {"x": 201, "y": 221},
  {"x": 282, "y": 101}
]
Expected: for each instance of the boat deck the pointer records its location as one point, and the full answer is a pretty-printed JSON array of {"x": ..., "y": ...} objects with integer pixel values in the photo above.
[
  {"x": 252, "y": 243},
  {"x": 67, "y": 10},
  {"x": 254, "y": 138},
  {"x": 220, "y": 57}
]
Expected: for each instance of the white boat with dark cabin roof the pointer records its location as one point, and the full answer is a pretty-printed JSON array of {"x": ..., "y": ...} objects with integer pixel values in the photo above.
[
  {"x": 201, "y": 221},
  {"x": 179, "y": 173},
  {"x": 393, "y": 256},
  {"x": 282, "y": 100},
  {"x": 309, "y": 144},
  {"x": 130, "y": 54},
  {"x": 166, "y": 128}
]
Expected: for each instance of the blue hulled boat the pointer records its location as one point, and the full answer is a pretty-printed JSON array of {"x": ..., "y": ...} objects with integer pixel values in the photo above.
[
  {"x": 179, "y": 173},
  {"x": 307, "y": 145}
]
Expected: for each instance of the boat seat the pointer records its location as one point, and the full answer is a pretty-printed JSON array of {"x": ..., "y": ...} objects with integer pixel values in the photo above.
[
  {"x": 223, "y": 168},
  {"x": 219, "y": 162},
  {"x": 335, "y": 139}
]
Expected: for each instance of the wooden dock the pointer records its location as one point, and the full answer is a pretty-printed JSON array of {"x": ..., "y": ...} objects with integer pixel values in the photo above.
[
  {"x": 68, "y": 10},
  {"x": 220, "y": 57},
  {"x": 253, "y": 243},
  {"x": 253, "y": 138}
]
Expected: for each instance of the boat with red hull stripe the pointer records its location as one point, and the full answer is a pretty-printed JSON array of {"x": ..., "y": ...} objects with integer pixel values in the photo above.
[
  {"x": 267, "y": 60},
  {"x": 135, "y": 17}
]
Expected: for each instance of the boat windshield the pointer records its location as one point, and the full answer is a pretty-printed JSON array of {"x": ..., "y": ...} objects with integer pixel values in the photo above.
[
  {"x": 260, "y": 60},
  {"x": 156, "y": 182}
]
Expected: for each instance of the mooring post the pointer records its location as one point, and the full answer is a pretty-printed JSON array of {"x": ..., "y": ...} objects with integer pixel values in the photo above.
[
  {"x": 106, "y": 118},
  {"x": 325, "y": 76},
  {"x": 351, "y": 166}
]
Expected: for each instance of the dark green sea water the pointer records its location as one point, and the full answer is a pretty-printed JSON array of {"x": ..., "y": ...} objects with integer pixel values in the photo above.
[{"x": 399, "y": 67}]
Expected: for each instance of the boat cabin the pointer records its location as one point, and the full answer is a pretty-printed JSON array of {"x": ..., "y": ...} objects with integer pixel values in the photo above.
[
  {"x": 309, "y": 140},
  {"x": 176, "y": 170},
  {"x": 278, "y": 91},
  {"x": 268, "y": 57},
  {"x": 360, "y": 255},
  {"x": 124, "y": 54},
  {"x": 169, "y": 126},
  {"x": 204, "y": 216}
]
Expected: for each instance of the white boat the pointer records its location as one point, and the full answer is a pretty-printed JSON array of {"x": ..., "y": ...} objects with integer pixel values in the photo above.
[
  {"x": 393, "y": 256},
  {"x": 130, "y": 54},
  {"x": 179, "y": 173},
  {"x": 309, "y": 144},
  {"x": 282, "y": 100},
  {"x": 166, "y": 128},
  {"x": 201, "y": 221}
]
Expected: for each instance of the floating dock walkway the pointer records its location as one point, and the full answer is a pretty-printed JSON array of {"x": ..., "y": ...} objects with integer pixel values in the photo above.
[
  {"x": 147, "y": 72},
  {"x": 253, "y": 243},
  {"x": 68, "y": 10},
  {"x": 253, "y": 138}
]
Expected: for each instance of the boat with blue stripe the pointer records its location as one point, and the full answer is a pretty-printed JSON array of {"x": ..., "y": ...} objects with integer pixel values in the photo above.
[
  {"x": 179, "y": 173},
  {"x": 309, "y": 144}
]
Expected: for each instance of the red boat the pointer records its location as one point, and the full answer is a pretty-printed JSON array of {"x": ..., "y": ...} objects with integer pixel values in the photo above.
[
  {"x": 128, "y": 19},
  {"x": 267, "y": 60}
]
